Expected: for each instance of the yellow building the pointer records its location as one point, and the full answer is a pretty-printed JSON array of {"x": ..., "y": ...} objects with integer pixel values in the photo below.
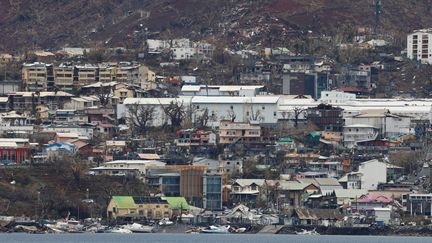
[
  {"x": 106, "y": 74},
  {"x": 150, "y": 208},
  {"x": 35, "y": 76},
  {"x": 123, "y": 92},
  {"x": 86, "y": 74},
  {"x": 64, "y": 78}
]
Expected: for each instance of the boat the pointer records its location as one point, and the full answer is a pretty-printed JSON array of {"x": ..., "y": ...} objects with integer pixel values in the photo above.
[
  {"x": 165, "y": 222},
  {"x": 241, "y": 230},
  {"x": 69, "y": 226},
  {"x": 118, "y": 230},
  {"x": 139, "y": 228},
  {"x": 307, "y": 232},
  {"x": 213, "y": 229}
]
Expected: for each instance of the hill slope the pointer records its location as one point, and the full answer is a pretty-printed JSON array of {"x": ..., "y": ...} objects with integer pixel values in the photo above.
[{"x": 54, "y": 23}]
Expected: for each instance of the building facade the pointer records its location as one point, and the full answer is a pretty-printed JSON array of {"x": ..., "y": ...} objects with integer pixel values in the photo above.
[{"x": 419, "y": 46}]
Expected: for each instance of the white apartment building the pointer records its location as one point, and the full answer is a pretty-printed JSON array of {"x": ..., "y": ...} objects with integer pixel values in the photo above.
[
  {"x": 373, "y": 173},
  {"x": 356, "y": 133},
  {"x": 419, "y": 46}
]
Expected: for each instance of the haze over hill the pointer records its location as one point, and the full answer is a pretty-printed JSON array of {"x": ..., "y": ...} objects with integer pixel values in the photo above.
[{"x": 26, "y": 24}]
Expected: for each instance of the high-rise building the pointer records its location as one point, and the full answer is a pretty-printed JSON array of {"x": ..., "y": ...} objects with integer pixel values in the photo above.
[{"x": 419, "y": 46}]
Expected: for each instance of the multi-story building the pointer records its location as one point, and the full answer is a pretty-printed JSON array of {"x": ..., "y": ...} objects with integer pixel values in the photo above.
[
  {"x": 87, "y": 74},
  {"x": 195, "y": 137},
  {"x": 64, "y": 78},
  {"x": 356, "y": 133},
  {"x": 14, "y": 150},
  {"x": 212, "y": 192},
  {"x": 246, "y": 190},
  {"x": 232, "y": 132},
  {"x": 67, "y": 77},
  {"x": 37, "y": 76},
  {"x": 151, "y": 208},
  {"x": 419, "y": 46},
  {"x": 326, "y": 117},
  {"x": 26, "y": 101},
  {"x": 106, "y": 74},
  {"x": 418, "y": 204}
]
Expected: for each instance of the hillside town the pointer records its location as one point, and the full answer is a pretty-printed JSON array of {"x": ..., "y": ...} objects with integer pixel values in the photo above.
[{"x": 189, "y": 135}]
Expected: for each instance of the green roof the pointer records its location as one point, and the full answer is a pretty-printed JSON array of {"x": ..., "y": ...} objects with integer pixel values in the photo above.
[
  {"x": 177, "y": 202},
  {"x": 124, "y": 201},
  {"x": 285, "y": 140}
]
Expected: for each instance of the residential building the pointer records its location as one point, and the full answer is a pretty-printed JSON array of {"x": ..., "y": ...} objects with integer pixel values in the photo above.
[
  {"x": 373, "y": 173},
  {"x": 326, "y": 117},
  {"x": 195, "y": 137},
  {"x": 25, "y": 101},
  {"x": 233, "y": 132},
  {"x": 316, "y": 217},
  {"x": 183, "y": 53},
  {"x": 15, "y": 125},
  {"x": 419, "y": 45},
  {"x": 353, "y": 134},
  {"x": 10, "y": 86},
  {"x": 82, "y": 103},
  {"x": 246, "y": 190},
  {"x": 86, "y": 74},
  {"x": 369, "y": 202},
  {"x": 150, "y": 208},
  {"x": 37, "y": 76},
  {"x": 64, "y": 78},
  {"x": 358, "y": 77},
  {"x": 293, "y": 194},
  {"x": 136, "y": 168},
  {"x": 14, "y": 150}
]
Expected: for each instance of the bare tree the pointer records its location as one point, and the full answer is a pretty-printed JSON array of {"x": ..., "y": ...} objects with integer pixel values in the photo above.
[
  {"x": 254, "y": 115},
  {"x": 139, "y": 117},
  {"x": 232, "y": 115},
  {"x": 104, "y": 95},
  {"x": 175, "y": 112},
  {"x": 203, "y": 118},
  {"x": 297, "y": 112}
]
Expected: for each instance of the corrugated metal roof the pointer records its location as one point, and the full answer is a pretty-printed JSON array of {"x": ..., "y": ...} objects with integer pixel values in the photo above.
[
  {"x": 177, "y": 202},
  {"x": 6, "y": 144},
  {"x": 156, "y": 101},
  {"x": 124, "y": 201},
  {"x": 235, "y": 100},
  {"x": 191, "y": 88},
  {"x": 247, "y": 182}
]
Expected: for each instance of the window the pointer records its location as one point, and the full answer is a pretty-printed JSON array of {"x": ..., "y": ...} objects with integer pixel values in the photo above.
[
  {"x": 274, "y": 113},
  {"x": 247, "y": 113},
  {"x": 197, "y": 107},
  {"x": 263, "y": 107},
  {"x": 231, "y": 107}
]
